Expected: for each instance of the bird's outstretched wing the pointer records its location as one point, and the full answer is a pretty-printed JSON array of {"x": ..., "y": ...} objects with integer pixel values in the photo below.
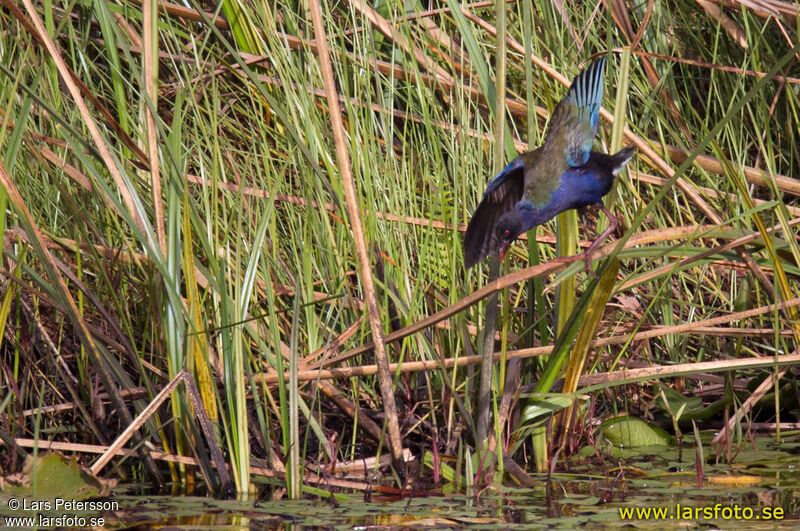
[
  {"x": 501, "y": 195},
  {"x": 574, "y": 123}
]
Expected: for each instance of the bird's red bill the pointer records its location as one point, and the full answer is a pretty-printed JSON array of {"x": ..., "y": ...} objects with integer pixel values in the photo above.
[{"x": 504, "y": 249}]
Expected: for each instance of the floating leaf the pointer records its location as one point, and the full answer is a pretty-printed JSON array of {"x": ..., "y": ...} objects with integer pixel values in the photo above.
[{"x": 633, "y": 432}]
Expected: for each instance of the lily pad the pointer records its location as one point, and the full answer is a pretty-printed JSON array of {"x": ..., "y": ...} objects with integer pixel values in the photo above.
[{"x": 633, "y": 432}]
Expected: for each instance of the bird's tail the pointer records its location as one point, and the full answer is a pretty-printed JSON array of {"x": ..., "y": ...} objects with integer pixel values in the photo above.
[
  {"x": 586, "y": 92},
  {"x": 621, "y": 158}
]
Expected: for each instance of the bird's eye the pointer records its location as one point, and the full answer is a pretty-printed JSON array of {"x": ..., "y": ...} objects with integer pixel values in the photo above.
[{"x": 507, "y": 233}]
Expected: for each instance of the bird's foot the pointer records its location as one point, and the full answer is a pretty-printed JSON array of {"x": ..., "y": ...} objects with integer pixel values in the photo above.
[
  {"x": 571, "y": 259},
  {"x": 613, "y": 223},
  {"x": 583, "y": 218},
  {"x": 587, "y": 257}
]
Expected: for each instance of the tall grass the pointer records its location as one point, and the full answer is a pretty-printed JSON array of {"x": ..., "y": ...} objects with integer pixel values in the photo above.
[{"x": 213, "y": 236}]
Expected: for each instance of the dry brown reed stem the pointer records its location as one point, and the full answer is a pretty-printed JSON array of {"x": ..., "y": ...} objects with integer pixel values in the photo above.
[
  {"x": 751, "y": 401},
  {"x": 707, "y": 327},
  {"x": 362, "y": 253},
  {"x": 60, "y": 446},
  {"x": 385, "y": 27},
  {"x": 734, "y": 244},
  {"x": 709, "y": 192},
  {"x": 348, "y": 407},
  {"x": 711, "y": 66},
  {"x": 310, "y": 479},
  {"x": 753, "y": 175},
  {"x": 553, "y": 266},
  {"x": 714, "y": 11},
  {"x": 333, "y": 345},
  {"x": 206, "y": 427},
  {"x": 188, "y": 13},
  {"x": 150, "y": 89},
  {"x": 129, "y": 394},
  {"x": 765, "y": 8},
  {"x": 464, "y": 361},
  {"x": 592, "y": 382}
]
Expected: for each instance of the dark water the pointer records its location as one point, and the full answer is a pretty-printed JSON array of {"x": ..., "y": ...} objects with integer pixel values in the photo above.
[
  {"x": 561, "y": 503},
  {"x": 760, "y": 490}
]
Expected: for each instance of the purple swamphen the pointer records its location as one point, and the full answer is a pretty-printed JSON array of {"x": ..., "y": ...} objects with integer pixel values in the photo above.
[{"x": 563, "y": 173}]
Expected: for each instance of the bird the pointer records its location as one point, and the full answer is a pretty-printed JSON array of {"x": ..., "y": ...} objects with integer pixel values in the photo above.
[{"x": 562, "y": 174}]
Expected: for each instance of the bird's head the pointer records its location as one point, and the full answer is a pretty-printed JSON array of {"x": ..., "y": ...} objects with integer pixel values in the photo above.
[{"x": 509, "y": 227}]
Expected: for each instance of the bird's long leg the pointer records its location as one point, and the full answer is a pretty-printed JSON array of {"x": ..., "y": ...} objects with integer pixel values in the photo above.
[{"x": 613, "y": 222}]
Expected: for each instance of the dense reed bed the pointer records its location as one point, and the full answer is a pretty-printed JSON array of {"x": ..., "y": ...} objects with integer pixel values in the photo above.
[{"x": 219, "y": 201}]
